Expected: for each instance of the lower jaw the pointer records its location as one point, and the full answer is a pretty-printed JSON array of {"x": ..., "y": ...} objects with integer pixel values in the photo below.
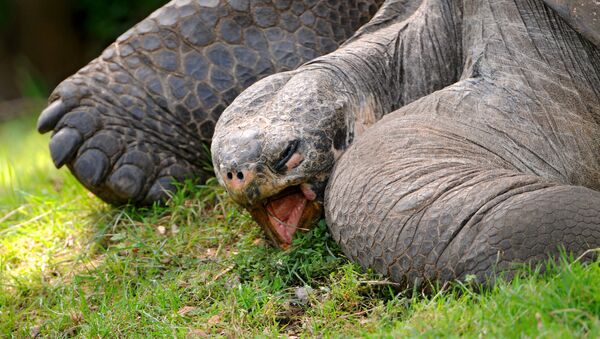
[{"x": 281, "y": 232}]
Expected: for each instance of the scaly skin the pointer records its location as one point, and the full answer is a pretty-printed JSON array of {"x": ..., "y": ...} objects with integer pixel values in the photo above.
[
  {"x": 490, "y": 156},
  {"x": 136, "y": 118}
]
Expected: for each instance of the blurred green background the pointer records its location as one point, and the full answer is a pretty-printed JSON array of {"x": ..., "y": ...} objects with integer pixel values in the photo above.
[{"x": 44, "y": 41}]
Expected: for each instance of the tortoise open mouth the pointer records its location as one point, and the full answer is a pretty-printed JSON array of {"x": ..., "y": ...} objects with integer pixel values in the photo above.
[{"x": 281, "y": 216}]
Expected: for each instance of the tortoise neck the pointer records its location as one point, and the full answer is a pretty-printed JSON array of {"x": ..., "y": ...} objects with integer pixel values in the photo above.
[
  {"x": 519, "y": 42},
  {"x": 406, "y": 53}
]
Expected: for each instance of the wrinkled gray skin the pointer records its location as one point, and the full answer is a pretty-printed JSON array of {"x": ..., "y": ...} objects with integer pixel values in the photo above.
[{"x": 487, "y": 155}]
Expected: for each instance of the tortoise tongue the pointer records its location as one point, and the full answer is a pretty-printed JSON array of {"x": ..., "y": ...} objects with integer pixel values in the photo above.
[{"x": 285, "y": 214}]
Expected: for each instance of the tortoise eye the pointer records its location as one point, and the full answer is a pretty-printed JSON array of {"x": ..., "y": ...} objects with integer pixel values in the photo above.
[{"x": 286, "y": 155}]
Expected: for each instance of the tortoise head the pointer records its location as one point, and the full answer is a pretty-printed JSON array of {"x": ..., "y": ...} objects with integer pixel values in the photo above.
[{"x": 275, "y": 146}]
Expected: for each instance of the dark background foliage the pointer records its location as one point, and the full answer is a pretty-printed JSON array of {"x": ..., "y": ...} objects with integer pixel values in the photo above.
[{"x": 44, "y": 41}]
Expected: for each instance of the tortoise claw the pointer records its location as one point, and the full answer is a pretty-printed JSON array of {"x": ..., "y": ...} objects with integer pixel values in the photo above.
[
  {"x": 160, "y": 190},
  {"x": 127, "y": 182},
  {"x": 51, "y": 115},
  {"x": 64, "y": 144},
  {"x": 91, "y": 166}
]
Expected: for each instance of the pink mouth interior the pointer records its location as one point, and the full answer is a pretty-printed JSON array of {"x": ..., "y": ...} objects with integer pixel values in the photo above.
[{"x": 285, "y": 214}]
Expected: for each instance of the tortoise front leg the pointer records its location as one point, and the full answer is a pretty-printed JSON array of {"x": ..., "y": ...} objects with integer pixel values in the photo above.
[
  {"x": 440, "y": 207},
  {"x": 464, "y": 182},
  {"x": 138, "y": 116}
]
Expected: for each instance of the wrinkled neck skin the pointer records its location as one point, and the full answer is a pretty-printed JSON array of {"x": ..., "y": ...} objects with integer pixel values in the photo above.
[{"x": 362, "y": 89}]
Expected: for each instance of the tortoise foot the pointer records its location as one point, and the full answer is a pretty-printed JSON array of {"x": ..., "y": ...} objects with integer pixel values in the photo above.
[{"x": 118, "y": 140}]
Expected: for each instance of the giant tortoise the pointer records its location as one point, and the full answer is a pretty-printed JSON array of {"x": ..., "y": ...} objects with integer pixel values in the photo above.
[{"x": 441, "y": 138}]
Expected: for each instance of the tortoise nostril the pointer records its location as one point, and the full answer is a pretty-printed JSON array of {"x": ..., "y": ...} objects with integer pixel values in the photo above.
[{"x": 235, "y": 174}]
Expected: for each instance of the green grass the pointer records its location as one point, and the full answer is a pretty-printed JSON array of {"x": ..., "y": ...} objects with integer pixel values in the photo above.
[{"x": 72, "y": 266}]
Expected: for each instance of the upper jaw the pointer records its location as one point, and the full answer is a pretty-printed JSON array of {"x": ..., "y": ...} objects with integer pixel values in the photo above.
[{"x": 264, "y": 187}]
